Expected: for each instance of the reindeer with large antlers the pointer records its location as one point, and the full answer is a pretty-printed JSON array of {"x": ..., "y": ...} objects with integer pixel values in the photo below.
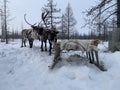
[
  {"x": 29, "y": 34},
  {"x": 52, "y": 33},
  {"x": 41, "y": 32},
  {"x": 44, "y": 33}
]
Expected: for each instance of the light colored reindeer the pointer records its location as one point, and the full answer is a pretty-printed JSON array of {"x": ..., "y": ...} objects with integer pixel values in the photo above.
[{"x": 28, "y": 34}]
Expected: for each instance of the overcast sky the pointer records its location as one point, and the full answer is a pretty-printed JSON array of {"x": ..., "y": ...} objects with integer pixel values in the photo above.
[{"x": 33, "y": 10}]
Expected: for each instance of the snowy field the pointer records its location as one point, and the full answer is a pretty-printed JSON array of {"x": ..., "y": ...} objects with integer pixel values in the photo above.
[{"x": 27, "y": 69}]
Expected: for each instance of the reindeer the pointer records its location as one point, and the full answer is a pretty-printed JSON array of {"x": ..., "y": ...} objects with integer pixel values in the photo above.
[
  {"x": 44, "y": 33},
  {"x": 52, "y": 33},
  {"x": 40, "y": 32},
  {"x": 27, "y": 34}
]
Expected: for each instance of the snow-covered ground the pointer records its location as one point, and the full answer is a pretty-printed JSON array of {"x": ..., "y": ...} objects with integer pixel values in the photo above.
[{"x": 27, "y": 69}]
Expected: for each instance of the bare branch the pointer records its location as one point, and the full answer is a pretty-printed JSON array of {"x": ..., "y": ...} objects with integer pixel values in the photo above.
[
  {"x": 109, "y": 16},
  {"x": 103, "y": 11},
  {"x": 103, "y": 3}
]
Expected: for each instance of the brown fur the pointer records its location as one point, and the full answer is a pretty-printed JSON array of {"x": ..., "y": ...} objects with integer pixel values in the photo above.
[{"x": 95, "y": 42}]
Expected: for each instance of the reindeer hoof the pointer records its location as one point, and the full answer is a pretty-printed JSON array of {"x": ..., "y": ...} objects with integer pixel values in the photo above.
[{"x": 91, "y": 62}]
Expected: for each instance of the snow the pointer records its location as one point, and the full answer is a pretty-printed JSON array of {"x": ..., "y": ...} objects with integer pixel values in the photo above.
[{"x": 27, "y": 69}]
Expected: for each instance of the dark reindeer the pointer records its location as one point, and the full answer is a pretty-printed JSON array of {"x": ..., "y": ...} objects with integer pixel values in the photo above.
[{"x": 52, "y": 33}]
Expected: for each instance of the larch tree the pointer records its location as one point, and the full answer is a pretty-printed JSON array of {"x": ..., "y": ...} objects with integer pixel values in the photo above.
[
  {"x": 5, "y": 18},
  {"x": 52, "y": 18},
  {"x": 69, "y": 21}
]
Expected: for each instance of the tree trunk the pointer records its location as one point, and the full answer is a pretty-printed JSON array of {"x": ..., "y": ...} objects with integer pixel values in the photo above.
[
  {"x": 118, "y": 13},
  {"x": 68, "y": 23},
  {"x": 51, "y": 7},
  {"x": 5, "y": 21},
  {"x": 114, "y": 44}
]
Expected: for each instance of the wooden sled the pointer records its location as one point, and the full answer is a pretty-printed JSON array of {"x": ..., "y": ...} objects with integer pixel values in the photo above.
[{"x": 101, "y": 67}]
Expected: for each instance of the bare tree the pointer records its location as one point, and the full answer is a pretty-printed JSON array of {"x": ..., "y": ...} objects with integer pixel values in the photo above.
[
  {"x": 2, "y": 26},
  {"x": 4, "y": 20},
  {"x": 62, "y": 28}
]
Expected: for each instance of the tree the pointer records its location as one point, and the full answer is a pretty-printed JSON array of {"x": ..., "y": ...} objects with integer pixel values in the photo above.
[
  {"x": 52, "y": 19},
  {"x": 4, "y": 20},
  {"x": 2, "y": 26},
  {"x": 110, "y": 8},
  {"x": 62, "y": 28},
  {"x": 114, "y": 11},
  {"x": 69, "y": 21},
  {"x": 118, "y": 13},
  {"x": 97, "y": 16}
]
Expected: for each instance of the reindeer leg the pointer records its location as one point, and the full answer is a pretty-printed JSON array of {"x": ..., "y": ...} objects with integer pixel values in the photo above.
[
  {"x": 22, "y": 43},
  {"x": 30, "y": 43},
  {"x": 87, "y": 56},
  {"x": 41, "y": 45},
  {"x": 45, "y": 46},
  {"x": 25, "y": 43},
  {"x": 50, "y": 48}
]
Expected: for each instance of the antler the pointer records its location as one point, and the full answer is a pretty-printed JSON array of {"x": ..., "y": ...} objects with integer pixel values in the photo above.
[
  {"x": 27, "y": 21},
  {"x": 39, "y": 23},
  {"x": 43, "y": 18}
]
